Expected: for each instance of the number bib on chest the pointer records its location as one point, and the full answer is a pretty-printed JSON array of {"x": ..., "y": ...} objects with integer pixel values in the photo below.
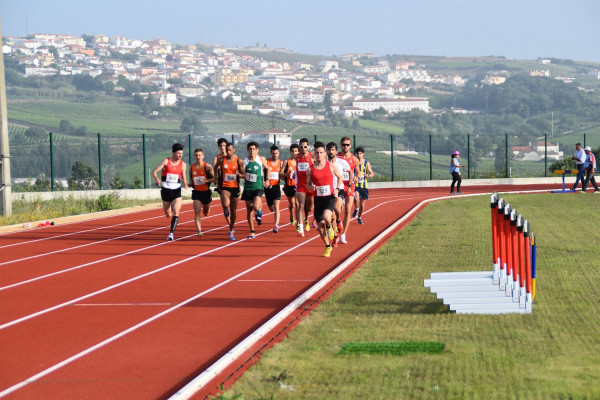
[
  {"x": 230, "y": 177},
  {"x": 346, "y": 176},
  {"x": 303, "y": 166},
  {"x": 250, "y": 177},
  {"x": 172, "y": 178},
  {"x": 274, "y": 176},
  {"x": 199, "y": 180},
  {"x": 323, "y": 190}
]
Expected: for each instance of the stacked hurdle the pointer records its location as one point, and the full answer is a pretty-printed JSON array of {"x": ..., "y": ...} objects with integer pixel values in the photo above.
[{"x": 510, "y": 286}]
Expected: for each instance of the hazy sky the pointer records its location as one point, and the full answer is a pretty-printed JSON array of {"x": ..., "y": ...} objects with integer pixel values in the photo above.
[{"x": 515, "y": 29}]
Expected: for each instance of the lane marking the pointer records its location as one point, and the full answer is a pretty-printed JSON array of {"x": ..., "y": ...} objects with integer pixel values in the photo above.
[
  {"x": 120, "y": 304},
  {"x": 89, "y": 350}
]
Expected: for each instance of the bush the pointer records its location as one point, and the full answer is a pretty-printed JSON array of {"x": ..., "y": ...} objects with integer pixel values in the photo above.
[{"x": 107, "y": 201}]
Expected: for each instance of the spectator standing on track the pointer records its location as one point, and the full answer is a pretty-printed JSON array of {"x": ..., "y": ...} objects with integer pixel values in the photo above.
[
  {"x": 579, "y": 158},
  {"x": 172, "y": 174},
  {"x": 288, "y": 174},
  {"x": 342, "y": 167},
  {"x": 304, "y": 195},
  {"x": 229, "y": 167},
  {"x": 254, "y": 186},
  {"x": 319, "y": 178},
  {"x": 362, "y": 186},
  {"x": 590, "y": 169},
  {"x": 273, "y": 190},
  {"x": 455, "y": 172},
  {"x": 349, "y": 178},
  {"x": 201, "y": 176}
]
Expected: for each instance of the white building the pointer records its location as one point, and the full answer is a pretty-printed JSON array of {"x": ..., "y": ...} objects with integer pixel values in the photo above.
[
  {"x": 392, "y": 106},
  {"x": 281, "y": 138}
]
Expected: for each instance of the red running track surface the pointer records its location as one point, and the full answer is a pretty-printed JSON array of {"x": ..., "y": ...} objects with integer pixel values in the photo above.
[{"x": 107, "y": 308}]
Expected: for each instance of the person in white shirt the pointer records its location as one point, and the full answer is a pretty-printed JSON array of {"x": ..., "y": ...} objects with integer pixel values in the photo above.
[
  {"x": 590, "y": 169},
  {"x": 455, "y": 172},
  {"x": 579, "y": 158}
]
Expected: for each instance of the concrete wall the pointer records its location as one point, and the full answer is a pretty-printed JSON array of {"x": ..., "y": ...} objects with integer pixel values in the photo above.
[{"x": 154, "y": 194}]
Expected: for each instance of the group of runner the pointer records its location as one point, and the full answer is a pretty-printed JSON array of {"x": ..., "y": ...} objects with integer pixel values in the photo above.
[{"x": 334, "y": 184}]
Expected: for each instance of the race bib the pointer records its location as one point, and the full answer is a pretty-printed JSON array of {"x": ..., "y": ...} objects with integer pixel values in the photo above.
[
  {"x": 172, "y": 178},
  {"x": 250, "y": 177},
  {"x": 346, "y": 176},
  {"x": 293, "y": 174},
  {"x": 361, "y": 179},
  {"x": 323, "y": 190},
  {"x": 302, "y": 166},
  {"x": 274, "y": 176},
  {"x": 199, "y": 180},
  {"x": 230, "y": 177}
]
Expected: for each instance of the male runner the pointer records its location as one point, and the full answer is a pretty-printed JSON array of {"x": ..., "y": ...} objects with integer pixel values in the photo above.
[
  {"x": 273, "y": 190},
  {"x": 201, "y": 176},
  {"x": 230, "y": 168},
  {"x": 347, "y": 155},
  {"x": 222, "y": 145},
  {"x": 173, "y": 173},
  {"x": 304, "y": 195},
  {"x": 254, "y": 186},
  {"x": 343, "y": 167},
  {"x": 288, "y": 173},
  {"x": 319, "y": 178},
  {"x": 362, "y": 186}
]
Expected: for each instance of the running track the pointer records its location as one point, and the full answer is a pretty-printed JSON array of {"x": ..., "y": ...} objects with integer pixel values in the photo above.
[{"x": 107, "y": 308}]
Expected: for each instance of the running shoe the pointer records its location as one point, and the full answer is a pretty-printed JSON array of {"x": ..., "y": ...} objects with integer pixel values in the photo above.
[
  {"x": 306, "y": 226},
  {"x": 355, "y": 213},
  {"x": 252, "y": 235},
  {"x": 199, "y": 233},
  {"x": 330, "y": 233},
  {"x": 360, "y": 221},
  {"x": 300, "y": 234},
  {"x": 327, "y": 251},
  {"x": 340, "y": 227},
  {"x": 343, "y": 239},
  {"x": 335, "y": 241},
  {"x": 258, "y": 215},
  {"x": 226, "y": 212},
  {"x": 276, "y": 228},
  {"x": 292, "y": 221},
  {"x": 170, "y": 238},
  {"x": 458, "y": 192},
  {"x": 231, "y": 237},
  {"x": 314, "y": 224}
]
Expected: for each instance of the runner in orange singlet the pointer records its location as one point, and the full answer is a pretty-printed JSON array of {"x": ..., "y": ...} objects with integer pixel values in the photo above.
[
  {"x": 201, "y": 176},
  {"x": 349, "y": 181},
  {"x": 173, "y": 173},
  {"x": 273, "y": 190},
  {"x": 304, "y": 195},
  {"x": 231, "y": 168},
  {"x": 288, "y": 173}
]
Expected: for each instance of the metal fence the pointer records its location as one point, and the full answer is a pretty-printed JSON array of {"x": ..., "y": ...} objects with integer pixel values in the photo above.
[{"x": 132, "y": 159}]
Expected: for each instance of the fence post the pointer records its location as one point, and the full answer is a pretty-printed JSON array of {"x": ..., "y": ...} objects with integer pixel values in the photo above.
[
  {"x": 468, "y": 156},
  {"x": 392, "y": 154},
  {"x": 100, "y": 161},
  {"x": 232, "y": 140},
  {"x": 430, "y": 160},
  {"x": 144, "y": 160},
  {"x": 315, "y": 140},
  {"x": 353, "y": 144},
  {"x": 545, "y": 155},
  {"x": 190, "y": 149},
  {"x": 506, "y": 154},
  {"x": 51, "y": 163},
  {"x": 584, "y": 140}
]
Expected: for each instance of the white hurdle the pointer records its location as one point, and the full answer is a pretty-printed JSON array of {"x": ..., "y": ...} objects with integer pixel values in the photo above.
[{"x": 502, "y": 290}]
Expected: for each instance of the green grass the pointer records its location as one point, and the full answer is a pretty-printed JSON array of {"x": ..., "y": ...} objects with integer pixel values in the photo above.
[
  {"x": 380, "y": 126},
  {"x": 552, "y": 353},
  {"x": 29, "y": 211}
]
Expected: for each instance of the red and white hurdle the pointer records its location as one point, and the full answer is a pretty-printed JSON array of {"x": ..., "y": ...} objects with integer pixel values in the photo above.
[{"x": 505, "y": 289}]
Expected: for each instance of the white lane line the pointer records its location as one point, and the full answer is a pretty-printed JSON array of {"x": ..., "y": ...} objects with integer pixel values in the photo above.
[
  {"x": 120, "y": 304},
  {"x": 78, "y": 232},
  {"x": 116, "y": 285},
  {"x": 113, "y": 257},
  {"x": 89, "y": 350},
  {"x": 99, "y": 241}
]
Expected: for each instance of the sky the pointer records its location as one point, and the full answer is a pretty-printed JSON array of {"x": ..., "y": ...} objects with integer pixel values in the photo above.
[{"x": 515, "y": 29}]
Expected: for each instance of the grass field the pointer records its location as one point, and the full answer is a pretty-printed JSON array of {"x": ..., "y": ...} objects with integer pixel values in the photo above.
[{"x": 552, "y": 353}]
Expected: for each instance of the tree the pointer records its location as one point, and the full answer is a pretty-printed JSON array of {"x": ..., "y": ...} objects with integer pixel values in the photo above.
[
  {"x": 109, "y": 87},
  {"x": 137, "y": 183},
  {"x": 118, "y": 183},
  {"x": 188, "y": 124},
  {"x": 35, "y": 133},
  {"x": 66, "y": 127},
  {"x": 82, "y": 177}
]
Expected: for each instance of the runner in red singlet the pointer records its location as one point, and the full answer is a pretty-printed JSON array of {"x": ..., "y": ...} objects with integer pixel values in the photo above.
[
  {"x": 201, "y": 176},
  {"x": 304, "y": 195},
  {"x": 349, "y": 182}
]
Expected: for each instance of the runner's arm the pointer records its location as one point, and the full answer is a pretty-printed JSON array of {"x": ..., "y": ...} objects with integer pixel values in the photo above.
[{"x": 158, "y": 168}]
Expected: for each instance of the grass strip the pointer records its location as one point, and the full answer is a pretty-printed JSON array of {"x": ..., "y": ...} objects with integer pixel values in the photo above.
[{"x": 394, "y": 348}]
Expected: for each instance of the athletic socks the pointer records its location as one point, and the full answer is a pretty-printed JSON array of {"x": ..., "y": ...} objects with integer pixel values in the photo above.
[{"x": 174, "y": 222}]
